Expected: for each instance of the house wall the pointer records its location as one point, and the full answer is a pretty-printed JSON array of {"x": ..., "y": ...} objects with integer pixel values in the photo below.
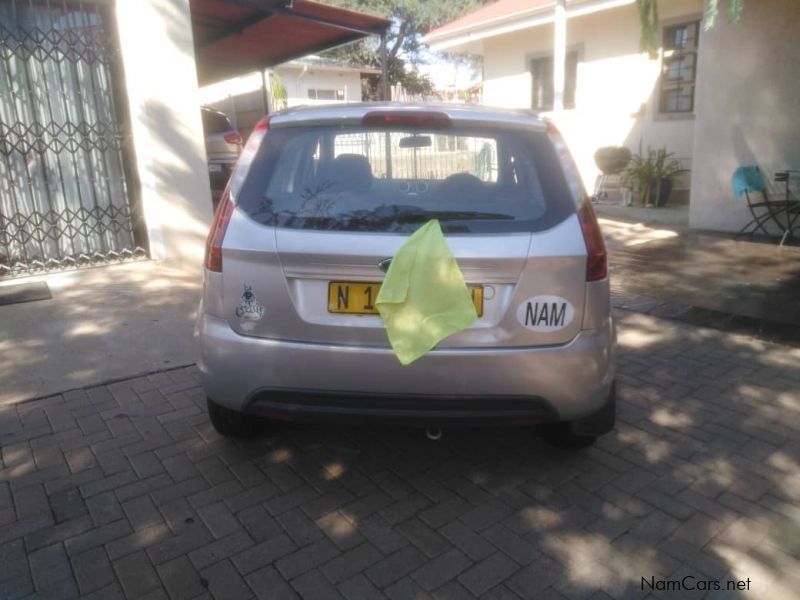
[
  {"x": 616, "y": 94},
  {"x": 298, "y": 82},
  {"x": 748, "y": 107},
  {"x": 167, "y": 135},
  {"x": 242, "y": 98}
]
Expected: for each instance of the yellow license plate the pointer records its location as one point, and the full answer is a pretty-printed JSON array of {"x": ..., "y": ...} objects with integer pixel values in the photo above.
[{"x": 358, "y": 298}]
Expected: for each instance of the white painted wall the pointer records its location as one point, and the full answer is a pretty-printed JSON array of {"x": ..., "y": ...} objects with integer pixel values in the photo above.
[
  {"x": 158, "y": 57},
  {"x": 614, "y": 81},
  {"x": 298, "y": 81},
  {"x": 748, "y": 107}
]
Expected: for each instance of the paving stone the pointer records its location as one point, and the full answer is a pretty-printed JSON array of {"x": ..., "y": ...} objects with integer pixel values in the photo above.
[
  {"x": 340, "y": 530},
  {"x": 407, "y": 589},
  {"x": 220, "y": 549},
  {"x": 488, "y": 573},
  {"x": 104, "y": 508},
  {"x": 359, "y": 588},
  {"x": 93, "y": 571},
  {"x": 511, "y": 544},
  {"x": 139, "y": 540},
  {"x": 466, "y": 540},
  {"x": 136, "y": 575},
  {"x": 424, "y": 538},
  {"x": 97, "y": 537},
  {"x": 314, "y": 586},
  {"x": 180, "y": 579},
  {"x": 299, "y": 527},
  {"x": 267, "y": 584},
  {"x": 183, "y": 543},
  {"x": 67, "y": 504},
  {"x": 258, "y": 524},
  {"x": 142, "y": 512},
  {"x": 395, "y": 567},
  {"x": 219, "y": 520},
  {"x": 264, "y": 553},
  {"x": 441, "y": 569},
  {"x": 225, "y": 583},
  {"x": 307, "y": 558},
  {"x": 350, "y": 563}
]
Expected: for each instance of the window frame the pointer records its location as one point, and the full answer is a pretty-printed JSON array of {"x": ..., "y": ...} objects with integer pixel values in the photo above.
[
  {"x": 676, "y": 54},
  {"x": 338, "y": 94},
  {"x": 569, "y": 103}
]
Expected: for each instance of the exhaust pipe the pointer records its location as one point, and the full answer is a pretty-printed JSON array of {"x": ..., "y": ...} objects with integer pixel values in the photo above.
[{"x": 433, "y": 433}]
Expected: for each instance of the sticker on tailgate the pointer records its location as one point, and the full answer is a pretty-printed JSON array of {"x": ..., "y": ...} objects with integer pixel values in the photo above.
[{"x": 545, "y": 313}]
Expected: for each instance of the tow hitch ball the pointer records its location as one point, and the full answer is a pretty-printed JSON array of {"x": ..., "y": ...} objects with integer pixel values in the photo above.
[{"x": 433, "y": 433}]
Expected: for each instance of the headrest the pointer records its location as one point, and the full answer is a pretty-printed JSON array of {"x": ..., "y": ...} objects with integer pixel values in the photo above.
[{"x": 352, "y": 173}]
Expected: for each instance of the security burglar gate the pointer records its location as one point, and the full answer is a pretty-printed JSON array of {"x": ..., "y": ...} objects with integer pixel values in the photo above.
[{"x": 65, "y": 197}]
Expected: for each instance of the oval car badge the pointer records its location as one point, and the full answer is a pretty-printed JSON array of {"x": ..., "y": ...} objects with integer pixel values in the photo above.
[
  {"x": 545, "y": 313},
  {"x": 384, "y": 264}
]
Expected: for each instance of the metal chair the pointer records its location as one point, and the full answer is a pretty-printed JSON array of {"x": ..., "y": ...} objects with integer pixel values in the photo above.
[{"x": 748, "y": 181}]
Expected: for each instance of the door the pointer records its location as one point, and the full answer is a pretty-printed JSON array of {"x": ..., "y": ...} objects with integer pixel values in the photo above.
[{"x": 65, "y": 197}]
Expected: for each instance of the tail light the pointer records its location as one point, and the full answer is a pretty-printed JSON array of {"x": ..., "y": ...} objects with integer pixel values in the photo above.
[
  {"x": 233, "y": 138},
  {"x": 596, "y": 259},
  {"x": 226, "y": 204},
  {"x": 217, "y": 234}
]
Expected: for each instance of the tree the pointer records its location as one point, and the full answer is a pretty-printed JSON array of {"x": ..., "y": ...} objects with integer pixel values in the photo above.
[
  {"x": 411, "y": 19},
  {"x": 648, "y": 17}
]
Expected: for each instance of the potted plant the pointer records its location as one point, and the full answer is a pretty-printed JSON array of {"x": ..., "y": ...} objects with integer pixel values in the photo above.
[{"x": 652, "y": 176}]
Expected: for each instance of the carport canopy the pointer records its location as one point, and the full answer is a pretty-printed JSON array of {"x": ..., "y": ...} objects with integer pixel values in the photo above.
[{"x": 233, "y": 37}]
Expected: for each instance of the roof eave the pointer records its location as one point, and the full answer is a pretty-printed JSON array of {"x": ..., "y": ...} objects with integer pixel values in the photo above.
[{"x": 452, "y": 39}]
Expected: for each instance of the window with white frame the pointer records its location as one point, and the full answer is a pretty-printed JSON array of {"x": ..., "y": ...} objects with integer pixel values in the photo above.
[
  {"x": 679, "y": 68},
  {"x": 325, "y": 94}
]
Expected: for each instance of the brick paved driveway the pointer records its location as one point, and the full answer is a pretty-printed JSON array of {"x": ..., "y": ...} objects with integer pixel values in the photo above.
[{"x": 125, "y": 491}]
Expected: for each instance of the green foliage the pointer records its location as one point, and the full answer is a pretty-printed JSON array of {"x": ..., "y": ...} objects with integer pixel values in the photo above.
[
  {"x": 650, "y": 26},
  {"x": 278, "y": 92},
  {"x": 645, "y": 172},
  {"x": 734, "y": 12},
  {"x": 411, "y": 20}
]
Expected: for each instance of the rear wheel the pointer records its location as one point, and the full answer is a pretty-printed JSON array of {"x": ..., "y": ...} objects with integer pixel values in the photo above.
[{"x": 232, "y": 423}]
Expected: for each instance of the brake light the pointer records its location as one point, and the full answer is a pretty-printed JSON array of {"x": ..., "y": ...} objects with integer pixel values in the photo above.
[
  {"x": 597, "y": 258},
  {"x": 420, "y": 119},
  {"x": 233, "y": 138},
  {"x": 217, "y": 233}
]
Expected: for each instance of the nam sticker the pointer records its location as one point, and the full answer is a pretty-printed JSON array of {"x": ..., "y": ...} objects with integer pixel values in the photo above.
[
  {"x": 545, "y": 313},
  {"x": 249, "y": 308}
]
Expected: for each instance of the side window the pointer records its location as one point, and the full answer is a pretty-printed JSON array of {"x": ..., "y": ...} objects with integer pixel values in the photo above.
[{"x": 679, "y": 68}]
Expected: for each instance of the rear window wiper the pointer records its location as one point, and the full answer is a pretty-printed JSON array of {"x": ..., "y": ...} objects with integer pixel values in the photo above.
[{"x": 452, "y": 215}]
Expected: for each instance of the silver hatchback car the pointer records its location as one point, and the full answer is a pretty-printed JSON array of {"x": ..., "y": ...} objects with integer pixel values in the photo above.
[{"x": 320, "y": 201}]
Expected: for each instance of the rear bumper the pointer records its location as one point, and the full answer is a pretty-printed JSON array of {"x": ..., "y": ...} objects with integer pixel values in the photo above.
[{"x": 302, "y": 380}]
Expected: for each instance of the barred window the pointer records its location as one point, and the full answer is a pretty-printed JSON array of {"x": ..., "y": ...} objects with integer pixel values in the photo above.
[{"x": 679, "y": 68}]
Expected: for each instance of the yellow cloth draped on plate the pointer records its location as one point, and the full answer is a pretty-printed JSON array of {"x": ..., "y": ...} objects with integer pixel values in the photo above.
[{"x": 423, "y": 298}]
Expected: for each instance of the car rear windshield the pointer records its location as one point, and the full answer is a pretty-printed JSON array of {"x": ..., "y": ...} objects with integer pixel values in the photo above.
[{"x": 482, "y": 180}]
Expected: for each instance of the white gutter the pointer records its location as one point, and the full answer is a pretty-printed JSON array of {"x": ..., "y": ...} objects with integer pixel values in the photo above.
[{"x": 515, "y": 22}]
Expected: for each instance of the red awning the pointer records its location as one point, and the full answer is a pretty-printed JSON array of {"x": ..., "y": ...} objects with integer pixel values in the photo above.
[{"x": 232, "y": 37}]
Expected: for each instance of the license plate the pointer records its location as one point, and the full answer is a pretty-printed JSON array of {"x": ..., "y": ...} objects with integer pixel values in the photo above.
[
  {"x": 358, "y": 298},
  {"x": 215, "y": 168}
]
